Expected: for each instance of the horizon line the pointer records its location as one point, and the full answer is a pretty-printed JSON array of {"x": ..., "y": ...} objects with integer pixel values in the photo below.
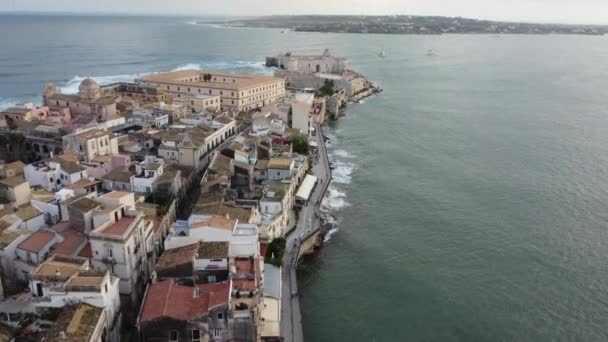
[{"x": 105, "y": 14}]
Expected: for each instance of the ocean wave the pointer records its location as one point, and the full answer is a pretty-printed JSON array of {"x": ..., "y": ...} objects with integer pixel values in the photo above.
[
  {"x": 330, "y": 233},
  {"x": 342, "y": 172},
  {"x": 343, "y": 154},
  {"x": 334, "y": 199},
  {"x": 71, "y": 86},
  {"x": 12, "y": 101}
]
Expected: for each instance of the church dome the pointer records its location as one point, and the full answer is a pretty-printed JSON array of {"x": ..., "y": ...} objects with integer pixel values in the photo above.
[
  {"x": 89, "y": 89},
  {"x": 50, "y": 89}
]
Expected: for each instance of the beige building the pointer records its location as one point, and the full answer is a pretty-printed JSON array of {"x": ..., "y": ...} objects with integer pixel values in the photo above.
[
  {"x": 239, "y": 92},
  {"x": 205, "y": 103},
  {"x": 89, "y": 143},
  {"x": 88, "y": 101},
  {"x": 310, "y": 64},
  {"x": 15, "y": 190},
  {"x": 193, "y": 146}
]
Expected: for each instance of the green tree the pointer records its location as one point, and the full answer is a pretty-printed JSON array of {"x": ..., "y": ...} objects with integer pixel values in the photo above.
[
  {"x": 327, "y": 89},
  {"x": 276, "y": 250},
  {"x": 300, "y": 144}
]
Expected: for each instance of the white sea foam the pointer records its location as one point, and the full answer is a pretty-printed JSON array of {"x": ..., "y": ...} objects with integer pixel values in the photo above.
[
  {"x": 12, "y": 101},
  {"x": 330, "y": 233},
  {"x": 342, "y": 172},
  {"x": 71, "y": 86},
  {"x": 334, "y": 199},
  {"x": 343, "y": 154}
]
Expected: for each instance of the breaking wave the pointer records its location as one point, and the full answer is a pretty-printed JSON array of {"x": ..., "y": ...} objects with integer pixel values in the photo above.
[
  {"x": 342, "y": 172},
  {"x": 343, "y": 154},
  {"x": 12, "y": 101},
  {"x": 334, "y": 199},
  {"x": 71, "y": 86},
  {"x": 330, "y": 233}
]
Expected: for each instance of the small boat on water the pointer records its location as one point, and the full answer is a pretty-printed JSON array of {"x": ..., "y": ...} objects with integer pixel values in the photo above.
[
  {"x": 382, "y": 53},
  {"x": 430, "y": 53}
]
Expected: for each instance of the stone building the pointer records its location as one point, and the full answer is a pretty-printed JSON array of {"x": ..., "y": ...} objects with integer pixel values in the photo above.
[
  {"x": 238, "y": 92},
  {"x": 310, "y": 64},
  {"x": 88, "y": 101}
]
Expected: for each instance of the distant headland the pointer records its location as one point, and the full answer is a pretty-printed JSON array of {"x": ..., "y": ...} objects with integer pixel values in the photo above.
[{"x": 406, "y": 24}]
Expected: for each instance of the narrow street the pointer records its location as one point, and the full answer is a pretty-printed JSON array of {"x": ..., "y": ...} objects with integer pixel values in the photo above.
[{"x": 309, "y": 223}]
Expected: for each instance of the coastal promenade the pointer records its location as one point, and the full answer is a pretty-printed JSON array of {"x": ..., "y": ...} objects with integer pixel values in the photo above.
[{"x": 308, "y": 224}]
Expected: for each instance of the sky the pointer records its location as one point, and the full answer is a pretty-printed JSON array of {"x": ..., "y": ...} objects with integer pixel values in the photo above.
[{"x": 558, "y": 11}]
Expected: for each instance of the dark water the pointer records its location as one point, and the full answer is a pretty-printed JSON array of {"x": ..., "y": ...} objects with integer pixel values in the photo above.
[{"x": 470, "y": 196}]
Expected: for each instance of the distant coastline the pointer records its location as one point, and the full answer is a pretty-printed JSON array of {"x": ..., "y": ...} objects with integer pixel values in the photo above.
[{"x": 404, "y": 24}]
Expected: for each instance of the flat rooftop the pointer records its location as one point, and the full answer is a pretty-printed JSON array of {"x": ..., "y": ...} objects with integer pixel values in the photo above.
[
  {"x": 195, "y": 77},
  {"x": 119, "y": 227}
]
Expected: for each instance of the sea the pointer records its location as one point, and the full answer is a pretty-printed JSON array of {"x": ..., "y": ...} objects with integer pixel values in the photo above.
[{"x": 469, "y": 199}]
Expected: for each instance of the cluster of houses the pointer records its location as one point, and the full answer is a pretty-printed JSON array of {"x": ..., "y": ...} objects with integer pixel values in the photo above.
[{"x": 144, "y": 211}]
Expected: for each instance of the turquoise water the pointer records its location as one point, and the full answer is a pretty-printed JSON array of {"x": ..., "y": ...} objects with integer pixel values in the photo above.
[{"x": 470, "y": 197}]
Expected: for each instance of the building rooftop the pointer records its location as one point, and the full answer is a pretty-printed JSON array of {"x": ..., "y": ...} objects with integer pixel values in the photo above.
[
  {"x": 59, "y": 268},
  {"x": 27, "y": 213},
  {"x": 241, "y": 214},
  {"x": 213, "y": 250},
  {"x": 194, "y": 77},
  {"x": 217, "y": 221},
  {"x": 175, "y": 257},
  {"x": 19, "y": 165},
  {"x": 41, "y": 195},
  {"x": 119, "y": 174},
  {"x": 75, "y": 323},
  {"x": 280, "y": 163},
  {"x": 166, "y": 299},
  {"x": 73, "y": 240},
  {"x": 116, "y": 194},
  {"x": 82, "y": 183},
  {"x": 85, "y": 281},
  {"x": 37, "y": 241},
  {"x": 12, "y": 182},
  {"x": 84, "y": 204},
  {"x": 93, "y": 133},
  {"x": 119, "y": 227}
]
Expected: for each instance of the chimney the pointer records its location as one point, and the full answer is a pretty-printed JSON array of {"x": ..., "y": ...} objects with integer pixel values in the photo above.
[
  {"x": 57, "y": 273},
  {"x": 227, "y": 216},
  {"x": 195, "y": 292}
]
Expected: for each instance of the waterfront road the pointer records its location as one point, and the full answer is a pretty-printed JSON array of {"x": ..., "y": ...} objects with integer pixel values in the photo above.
[{"x": 309, "y": 222}]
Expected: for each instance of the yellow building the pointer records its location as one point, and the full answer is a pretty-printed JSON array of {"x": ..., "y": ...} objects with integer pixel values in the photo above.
[{"x": 237, "y": 92}]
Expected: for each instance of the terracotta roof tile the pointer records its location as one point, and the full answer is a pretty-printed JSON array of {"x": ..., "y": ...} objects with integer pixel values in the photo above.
[
  {"x": 119, "y": 227},
  {"x": 168, "y": 299},
  {"x": 86, "y": 251},
  {"x": 177, "y": 256},
  {"x": 35, "y": 242},
  {"x": 72, "y": 242}
]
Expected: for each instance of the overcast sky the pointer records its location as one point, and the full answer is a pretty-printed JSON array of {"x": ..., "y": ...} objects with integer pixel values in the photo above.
[{"x": 566, "y": 11}]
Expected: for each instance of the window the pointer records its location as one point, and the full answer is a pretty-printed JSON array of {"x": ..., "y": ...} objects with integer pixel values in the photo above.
[
  {"x": 217, "y": 332},
  {"x": 106, "y": 288},
  {"x": 196, "y": 335},
  {"x": 220, "y": 315},
  {"x": 173, "y": 336},
  {"x": 109, "y": 252}
]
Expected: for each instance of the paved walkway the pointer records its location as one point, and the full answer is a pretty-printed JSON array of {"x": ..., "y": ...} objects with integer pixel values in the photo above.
[{"x": 309, "y": 222}]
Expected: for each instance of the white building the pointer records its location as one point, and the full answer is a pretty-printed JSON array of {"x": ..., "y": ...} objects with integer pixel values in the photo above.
[
  {"x": 54, "y": 174},
  {"x": 118, "y": 245},
  {"x": 147, "y": 117}
]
